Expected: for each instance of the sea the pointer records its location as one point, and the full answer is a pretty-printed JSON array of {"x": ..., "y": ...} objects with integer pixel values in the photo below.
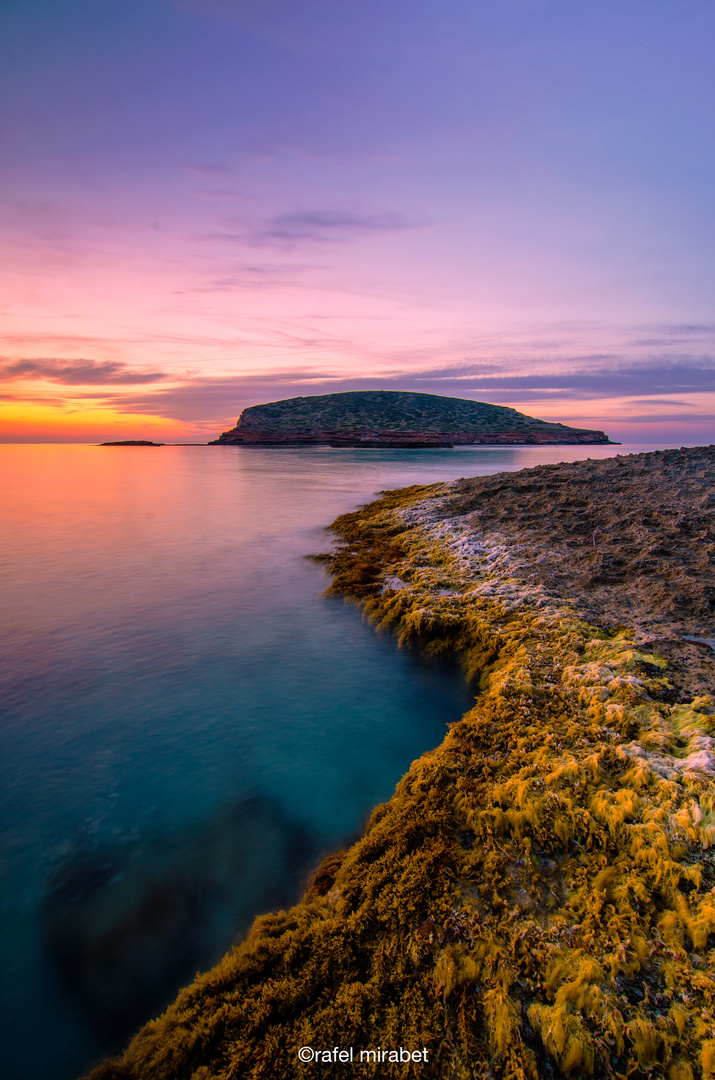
[{"x": 187, "y": 723}]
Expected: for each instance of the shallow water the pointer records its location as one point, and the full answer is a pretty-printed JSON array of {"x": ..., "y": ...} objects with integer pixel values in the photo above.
[{"x": 187, "y": 724}]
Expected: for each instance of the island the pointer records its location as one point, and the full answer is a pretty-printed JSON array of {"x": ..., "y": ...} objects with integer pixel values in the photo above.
[
  {"x": 537, "y": 898},
  {"x": 394, "y": 419},
  {"x": 132, "y": 442}
]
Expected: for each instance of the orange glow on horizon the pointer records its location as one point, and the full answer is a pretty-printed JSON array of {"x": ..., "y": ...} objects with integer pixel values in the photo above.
[
  {"x": 65, "y": 421},
  {"x": 68, "y": 421}
]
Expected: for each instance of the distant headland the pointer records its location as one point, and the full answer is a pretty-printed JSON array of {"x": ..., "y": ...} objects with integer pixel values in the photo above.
[{"x": 394, "y": 418}]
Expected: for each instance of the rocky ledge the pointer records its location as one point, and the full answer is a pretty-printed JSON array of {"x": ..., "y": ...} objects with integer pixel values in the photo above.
[
  {"x": 537, "y": 898},
  {"x": 385, "y": 418}
]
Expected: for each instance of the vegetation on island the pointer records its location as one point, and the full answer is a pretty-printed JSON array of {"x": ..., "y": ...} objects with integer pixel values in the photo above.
[
  {"x": 536, "y": 899},
  {"x": 392, "y": 417}
]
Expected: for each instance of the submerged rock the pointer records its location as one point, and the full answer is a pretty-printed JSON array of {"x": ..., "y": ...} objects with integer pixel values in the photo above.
[{"x": 125, "y": 927}]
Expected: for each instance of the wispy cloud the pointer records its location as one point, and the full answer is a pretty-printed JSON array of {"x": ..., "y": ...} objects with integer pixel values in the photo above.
[
  {"x": 211, "y": 168},
  {"x": 226, "y": 397},
  {"x": 692, "y": 375},
  {"x": 688, "y": 329},
  {"x": 664, "y": 418},
  {"x": 297, "y": 227},
  {"x": 79, "y": 372},
  {"x": 252, "y": 276},
  {"x": 666, "y": 334},
  {"x": 330, "y": 225},
  {"x": 215, "y": 193},
  {"x": 27, "y": 399}
]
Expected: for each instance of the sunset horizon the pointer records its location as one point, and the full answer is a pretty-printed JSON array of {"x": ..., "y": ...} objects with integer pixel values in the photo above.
[
  {"x": 357, "y": 444},
  {"x": 209, "y": 206}
]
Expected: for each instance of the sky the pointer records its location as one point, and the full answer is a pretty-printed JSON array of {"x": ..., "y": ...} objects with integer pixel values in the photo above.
[{"x": 208, "y": 204}]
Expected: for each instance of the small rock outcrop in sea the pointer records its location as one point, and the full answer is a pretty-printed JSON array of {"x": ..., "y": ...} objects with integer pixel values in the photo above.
[
  {"x": 537, "y": 899},
  {"x": 391, "y": 418},
  {"x": 132, "y": 442}
]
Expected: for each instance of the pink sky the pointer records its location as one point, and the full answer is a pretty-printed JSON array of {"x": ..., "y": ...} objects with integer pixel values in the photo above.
[{"x": 508, "y": 204}]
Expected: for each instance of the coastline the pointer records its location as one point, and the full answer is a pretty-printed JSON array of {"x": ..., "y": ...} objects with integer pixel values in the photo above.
[{"x": 536, "y": 898}]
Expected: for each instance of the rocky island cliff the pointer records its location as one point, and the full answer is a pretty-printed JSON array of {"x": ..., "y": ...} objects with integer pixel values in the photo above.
[
  {"x": 391, "y": 418},
  {"x": 537, "y": 899}
]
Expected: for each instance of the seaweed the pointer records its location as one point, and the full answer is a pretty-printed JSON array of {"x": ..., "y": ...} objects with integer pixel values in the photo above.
[{"x": 535, "y": 900}]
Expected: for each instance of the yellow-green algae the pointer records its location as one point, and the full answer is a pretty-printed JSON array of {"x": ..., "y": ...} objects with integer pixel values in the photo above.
[{"x": 536, "y": 900}]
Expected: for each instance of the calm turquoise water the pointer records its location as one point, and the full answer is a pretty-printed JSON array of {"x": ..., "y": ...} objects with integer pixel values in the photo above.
[{"x": 187, "y": 724}]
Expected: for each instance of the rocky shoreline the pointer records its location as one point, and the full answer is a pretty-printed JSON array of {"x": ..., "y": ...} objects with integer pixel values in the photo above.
[
  {"x": 537, "y": 898},
  {"x": 415, "y": 440}
]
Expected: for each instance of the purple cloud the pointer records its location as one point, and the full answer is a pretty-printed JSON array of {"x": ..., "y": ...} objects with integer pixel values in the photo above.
[
  {"x": 663, "y": 377},
  {"x": 79, "y": 372},
  {"x": 315, "y": 226}
]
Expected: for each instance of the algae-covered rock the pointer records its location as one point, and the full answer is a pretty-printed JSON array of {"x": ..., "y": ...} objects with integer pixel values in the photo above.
[{"x": 537, "y": 898}]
